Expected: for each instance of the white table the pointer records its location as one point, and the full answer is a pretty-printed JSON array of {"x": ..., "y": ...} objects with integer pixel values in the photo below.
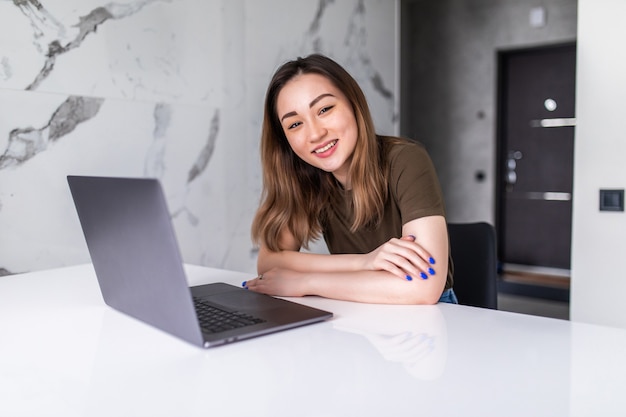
[{"x": 63, "y": 352}]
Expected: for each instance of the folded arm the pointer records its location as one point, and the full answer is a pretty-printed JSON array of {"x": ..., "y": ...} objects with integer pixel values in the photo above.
[{"x": 407, "y": 270}]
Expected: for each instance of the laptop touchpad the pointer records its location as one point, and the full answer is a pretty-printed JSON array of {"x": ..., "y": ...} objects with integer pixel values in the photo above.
[{"x": 242, "y": 300}]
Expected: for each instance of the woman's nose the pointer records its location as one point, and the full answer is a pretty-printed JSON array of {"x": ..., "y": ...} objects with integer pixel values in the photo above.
[{"x": 317, "y": 131}]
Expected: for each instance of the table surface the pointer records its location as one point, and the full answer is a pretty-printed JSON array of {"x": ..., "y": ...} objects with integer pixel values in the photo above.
[{"x": 63, "y": 352}]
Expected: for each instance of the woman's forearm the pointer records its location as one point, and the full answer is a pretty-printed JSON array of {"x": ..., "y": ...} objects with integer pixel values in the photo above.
[
  {"x": 378, "y": 287},
  {"x": 307, "y": 262}
]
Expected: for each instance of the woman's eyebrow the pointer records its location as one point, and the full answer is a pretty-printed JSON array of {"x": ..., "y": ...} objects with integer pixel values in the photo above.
[
  {"x": 318, "y": 98},
  {"x": 311, "y": 104},
  {"x": 291, "y": 113}
]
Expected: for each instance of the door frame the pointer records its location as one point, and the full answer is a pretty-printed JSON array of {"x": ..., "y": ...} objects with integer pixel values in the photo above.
[{"x": 500, "y": 168}]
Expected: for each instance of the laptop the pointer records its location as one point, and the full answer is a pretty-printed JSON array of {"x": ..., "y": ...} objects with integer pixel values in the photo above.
[{"x": 133, "y": 247}]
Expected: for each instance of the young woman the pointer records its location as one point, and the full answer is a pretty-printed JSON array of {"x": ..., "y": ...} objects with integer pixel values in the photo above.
[{"x": 375, "y": 200}]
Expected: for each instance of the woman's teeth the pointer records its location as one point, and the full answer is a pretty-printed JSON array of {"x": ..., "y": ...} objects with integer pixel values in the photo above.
[{"x": 325, "y": 148}]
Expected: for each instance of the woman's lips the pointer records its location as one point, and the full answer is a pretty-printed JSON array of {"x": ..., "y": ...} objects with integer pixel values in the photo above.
[{"x": 326, "y": 147}]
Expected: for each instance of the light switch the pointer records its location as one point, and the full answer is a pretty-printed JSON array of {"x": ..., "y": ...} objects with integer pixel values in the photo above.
[{"x": 612, "y": 200}]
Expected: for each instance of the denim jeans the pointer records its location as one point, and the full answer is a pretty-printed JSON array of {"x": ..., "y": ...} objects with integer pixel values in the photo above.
[{"x": 448, "y": 296}]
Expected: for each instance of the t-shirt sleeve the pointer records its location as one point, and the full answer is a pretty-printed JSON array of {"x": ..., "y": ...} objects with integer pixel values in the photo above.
[{"x": 414, "y": 183}]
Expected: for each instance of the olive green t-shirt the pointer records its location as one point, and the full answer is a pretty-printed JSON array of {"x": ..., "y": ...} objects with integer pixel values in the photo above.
[{"x": 414, "y": 192}]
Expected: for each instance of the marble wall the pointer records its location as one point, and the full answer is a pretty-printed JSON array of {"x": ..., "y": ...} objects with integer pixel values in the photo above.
[{"x": 171, "y": 89}]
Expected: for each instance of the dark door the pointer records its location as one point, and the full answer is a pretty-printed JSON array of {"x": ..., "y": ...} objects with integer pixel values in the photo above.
[{"x": 536, "y": 153}]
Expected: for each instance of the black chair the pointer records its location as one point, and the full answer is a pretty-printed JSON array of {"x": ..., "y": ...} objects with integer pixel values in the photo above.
[{"x": 473, "y": 250}]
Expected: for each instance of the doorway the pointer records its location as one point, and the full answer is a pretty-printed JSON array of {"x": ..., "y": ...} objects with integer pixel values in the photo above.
[{"x": 536, "y": 121}]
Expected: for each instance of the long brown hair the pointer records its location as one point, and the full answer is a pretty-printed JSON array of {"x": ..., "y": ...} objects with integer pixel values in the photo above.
[{"x": 296, "y": 194}]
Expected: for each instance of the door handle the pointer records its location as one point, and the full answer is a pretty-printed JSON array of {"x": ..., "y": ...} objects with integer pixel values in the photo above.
[
  {"x": 549, "y": 196},
  {"x": 556, "y": 122}
]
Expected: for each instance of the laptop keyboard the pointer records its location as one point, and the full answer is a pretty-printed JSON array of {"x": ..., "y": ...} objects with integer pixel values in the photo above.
[{"x": 215, "y": 320}]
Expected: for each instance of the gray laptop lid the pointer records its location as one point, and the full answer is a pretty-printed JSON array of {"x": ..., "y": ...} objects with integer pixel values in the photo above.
[{"x": 137, "y": 261}]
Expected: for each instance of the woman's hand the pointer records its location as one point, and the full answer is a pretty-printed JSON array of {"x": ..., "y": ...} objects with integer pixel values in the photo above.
[
  {"x": 279, "y": 282},
  {"x": 401, "y": 257}
]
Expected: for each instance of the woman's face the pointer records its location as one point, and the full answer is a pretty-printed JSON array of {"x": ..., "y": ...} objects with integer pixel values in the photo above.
[{"x": 319, "y": 123}]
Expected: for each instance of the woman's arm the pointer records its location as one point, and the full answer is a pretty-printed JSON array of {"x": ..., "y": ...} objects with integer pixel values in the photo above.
[
  {"x": 379, "y": 287},
  {"x": 370, "y": 277},
  {"x": 290, "y": 257},
  {"x": 404, "y": 257}
]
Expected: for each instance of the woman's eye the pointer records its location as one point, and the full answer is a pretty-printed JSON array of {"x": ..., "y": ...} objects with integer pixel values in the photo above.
[
  {"x": 325, "y": 109},
  {"x": 294, "y": 125}
]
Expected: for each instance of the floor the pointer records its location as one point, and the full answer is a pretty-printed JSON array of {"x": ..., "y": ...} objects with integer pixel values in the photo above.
[
  {"x": 539, "y": 295},
  {"x": 534, "y": 306}
]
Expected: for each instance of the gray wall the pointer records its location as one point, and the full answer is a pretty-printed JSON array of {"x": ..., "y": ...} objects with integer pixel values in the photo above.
[{"x": 448, "y": 85}]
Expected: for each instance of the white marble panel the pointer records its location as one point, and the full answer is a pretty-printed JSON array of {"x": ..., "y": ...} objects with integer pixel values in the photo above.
[
  {"x": 177, "y": 143},
  {"x": 163, "y": 50},
  {"x": 171, "y": 89}
]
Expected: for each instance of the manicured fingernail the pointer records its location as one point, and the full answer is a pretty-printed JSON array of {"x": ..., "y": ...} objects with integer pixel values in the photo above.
[
  {"x": 412, "y": 237},
  {"x": 243, "y": 284},
  {"x": 431, "y": 271},
  {"x": 409, "y": 278},
  {"x": 423, "y": 275},
  {"x": 431, "y": 260}
]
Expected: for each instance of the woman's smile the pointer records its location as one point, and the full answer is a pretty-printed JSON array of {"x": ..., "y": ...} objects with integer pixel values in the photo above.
[{"x": 323, "y": 151}]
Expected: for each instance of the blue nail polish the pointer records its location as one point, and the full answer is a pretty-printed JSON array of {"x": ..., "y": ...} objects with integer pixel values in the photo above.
[
  {"x": 423, "y": 275},
  {"x": 409, "y": 278},
  {"x": 243, "y": 284},
  {"x": 431, "y": 271},
  {"x": 412, "y": 236},
  {"x": 431, "y": 260}
]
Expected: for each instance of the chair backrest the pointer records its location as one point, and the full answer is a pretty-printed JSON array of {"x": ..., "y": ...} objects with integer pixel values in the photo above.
[{"x": 473, "y": 250}]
